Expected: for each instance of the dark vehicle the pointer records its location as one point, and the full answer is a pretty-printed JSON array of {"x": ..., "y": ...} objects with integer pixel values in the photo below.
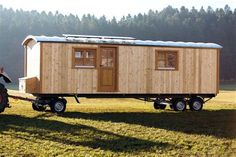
[{"x": 3, "y": 91}]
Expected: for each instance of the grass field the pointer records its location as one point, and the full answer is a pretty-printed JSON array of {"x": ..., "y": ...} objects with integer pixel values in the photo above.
[{"x": 120, "y": 127}]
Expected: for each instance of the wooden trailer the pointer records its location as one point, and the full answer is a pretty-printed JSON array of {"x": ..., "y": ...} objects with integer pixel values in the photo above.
[{"x": 177, "y": 73}]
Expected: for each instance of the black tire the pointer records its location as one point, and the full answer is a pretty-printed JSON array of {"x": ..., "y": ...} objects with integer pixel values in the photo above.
[
  {"x": 58, "y": 106},
  {"x": 3, "y": 98},
  {"x": 179, "y": 105},
  {"x": 34, "y": 107},
  {"x": 158, "y": 106},
  {"x": 38, "y": 108},
  {"x": 64, "y": 100},
  {"x": 196, "y": 104}
]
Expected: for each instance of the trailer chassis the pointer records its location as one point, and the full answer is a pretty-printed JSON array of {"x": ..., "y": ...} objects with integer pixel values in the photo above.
[{"x": 177, "y": 102}]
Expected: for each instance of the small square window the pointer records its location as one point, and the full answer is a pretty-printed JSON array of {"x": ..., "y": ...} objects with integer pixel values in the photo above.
[
  {"x": 166, "y": 60},
  {"x": 84, "y": 58}
]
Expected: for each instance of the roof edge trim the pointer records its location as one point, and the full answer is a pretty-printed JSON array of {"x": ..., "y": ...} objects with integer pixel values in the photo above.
[
  {"x": 28, "y": 39},
  {"x": 120, "y": 42}
]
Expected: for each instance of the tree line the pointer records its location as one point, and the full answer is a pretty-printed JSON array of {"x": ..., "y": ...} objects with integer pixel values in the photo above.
[{"x": 203, "y": 25}]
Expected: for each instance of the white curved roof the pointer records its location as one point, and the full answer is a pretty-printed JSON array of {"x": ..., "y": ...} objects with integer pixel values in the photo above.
[{"x": 117, "y": 41}]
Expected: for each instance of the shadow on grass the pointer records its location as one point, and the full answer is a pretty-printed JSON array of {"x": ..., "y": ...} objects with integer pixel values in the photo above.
[
  {"x": 218, "y": 123},
  {"x": 69, "y": 134}
]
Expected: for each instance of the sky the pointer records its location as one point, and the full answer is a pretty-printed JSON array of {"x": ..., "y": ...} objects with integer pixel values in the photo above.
[{"x": 110, "y": 8}]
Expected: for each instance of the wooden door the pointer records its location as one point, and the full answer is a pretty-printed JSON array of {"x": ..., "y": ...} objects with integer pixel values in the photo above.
[{"x": 107, "y": 73}]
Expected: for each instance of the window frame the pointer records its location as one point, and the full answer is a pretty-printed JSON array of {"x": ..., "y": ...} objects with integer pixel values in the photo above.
[
  {"x": 176, "y": 67},
  {"x": 82, "y": 49}
]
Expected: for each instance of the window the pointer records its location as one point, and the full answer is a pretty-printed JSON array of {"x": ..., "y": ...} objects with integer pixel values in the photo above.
[
  {"x": 84, "y": 58},
  {"x": 166, "y": 60}
]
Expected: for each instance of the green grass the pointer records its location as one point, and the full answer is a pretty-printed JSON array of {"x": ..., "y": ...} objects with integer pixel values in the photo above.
[{"x": 120, "y": 127}]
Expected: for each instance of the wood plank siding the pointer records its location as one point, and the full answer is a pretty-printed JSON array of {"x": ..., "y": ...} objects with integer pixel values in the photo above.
[{"x": 197, "y": 71}]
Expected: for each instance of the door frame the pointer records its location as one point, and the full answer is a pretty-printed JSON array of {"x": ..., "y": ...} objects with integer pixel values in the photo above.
[{"x": 116, "y": 66}]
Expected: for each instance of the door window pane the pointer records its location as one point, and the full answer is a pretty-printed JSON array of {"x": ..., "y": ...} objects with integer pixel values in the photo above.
[{"x": 107, "y": 58}]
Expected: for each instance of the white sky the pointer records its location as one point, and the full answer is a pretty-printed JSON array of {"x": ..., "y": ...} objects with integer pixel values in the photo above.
[{"x": 110, "y": 8}]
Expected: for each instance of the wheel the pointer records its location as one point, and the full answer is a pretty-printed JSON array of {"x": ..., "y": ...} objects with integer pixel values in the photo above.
[
  {"x": 159, "y": 106},
  {"x": 156, "y": 106},
  {"x": 64, "y": 100},
  {"x": 179, "y": 105},
  {"x": 34, "y": 107},
  {"x": 3, "y": 98},
  {"x": 196, "y": 104},
  {"x": 58, "y": 105},
  {"x": 162, "y": 107},
  {"x": 38, "y": 108}
]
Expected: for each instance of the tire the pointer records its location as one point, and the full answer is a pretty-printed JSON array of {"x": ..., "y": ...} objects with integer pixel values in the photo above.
[
  {"x": 64, "y": 100},
  {"x": 196, "y": 104},
  {"x": 3, "y": 98},
  {"x": 156, "y": 106},
  {"x": 58, "y": 106},
  {"x": 159, "y": 106},
  {"x": 179, "y": 105},
  {"x": 38, "y": 108},
  {"x": 34, "y": 107},
  {"x": 162, "y": 107}
]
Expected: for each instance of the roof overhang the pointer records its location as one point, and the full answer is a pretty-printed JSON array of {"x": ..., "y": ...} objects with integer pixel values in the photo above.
[
  {"x": 28, "y": 39},
  {"x": 117, "y": 41}
]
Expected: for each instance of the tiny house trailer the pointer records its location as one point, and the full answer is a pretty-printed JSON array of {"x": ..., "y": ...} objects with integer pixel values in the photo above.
[{"x": 177, "y": 73}]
